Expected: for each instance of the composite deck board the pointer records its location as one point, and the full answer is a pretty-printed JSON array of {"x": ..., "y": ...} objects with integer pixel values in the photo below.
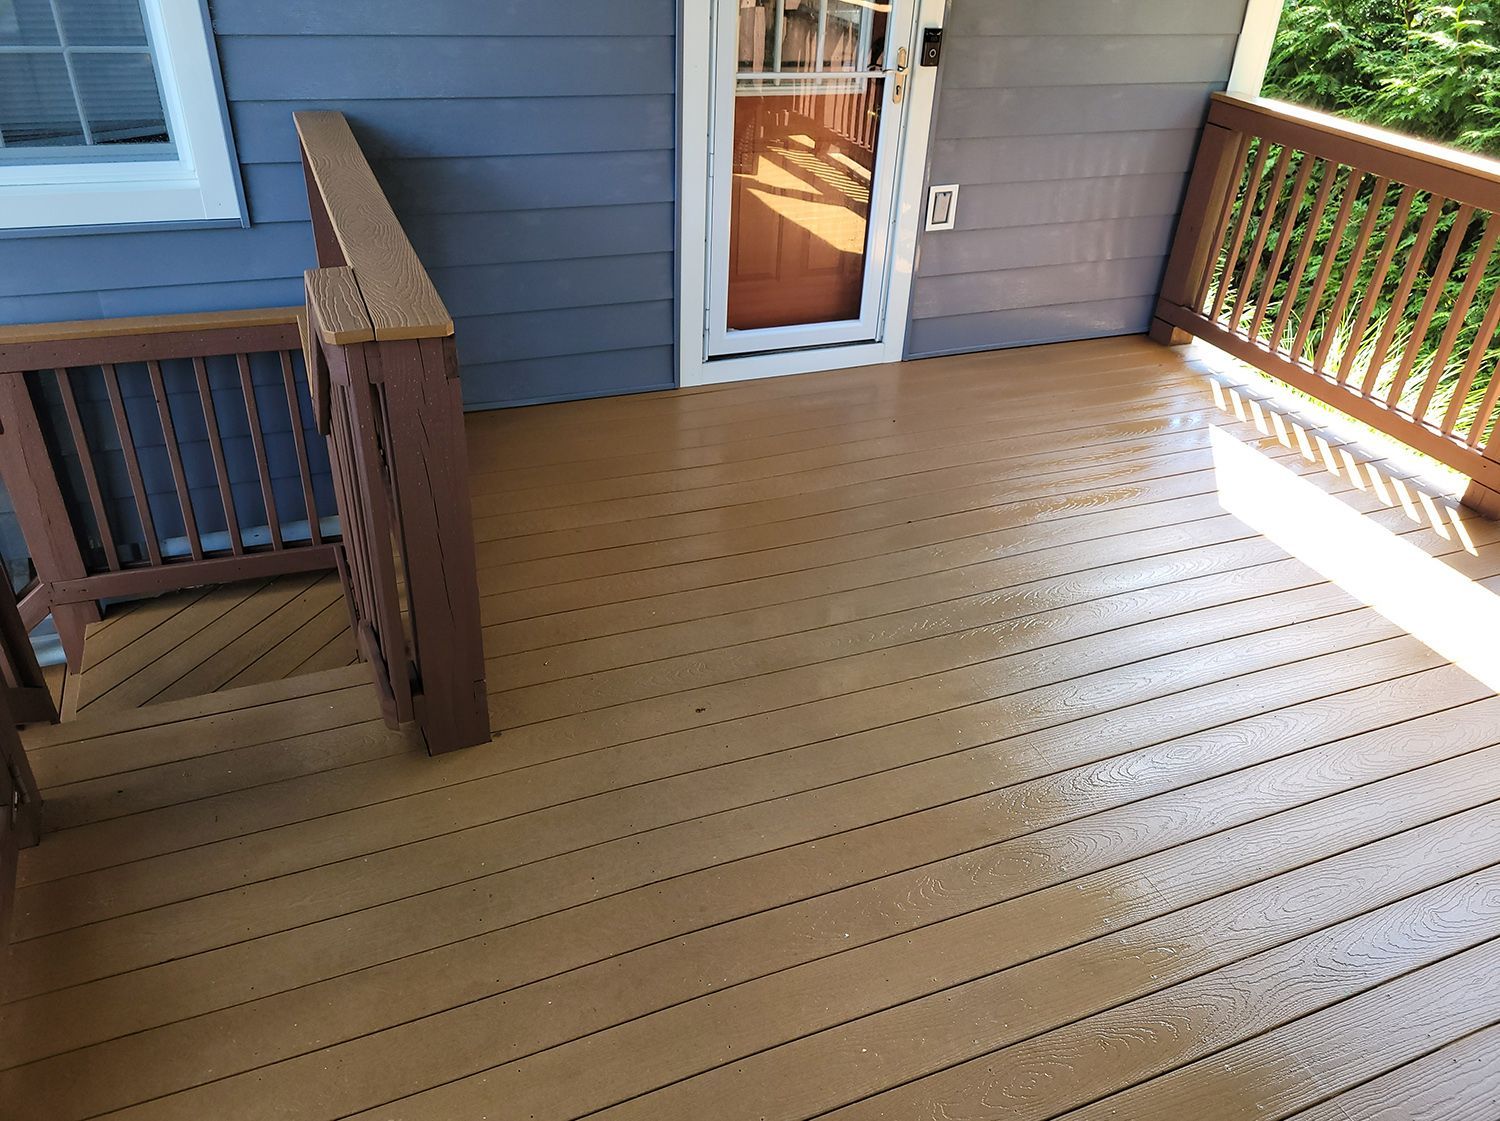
[
  {"x": 190, "y": 643},
  {"x": 903, "y": 742}
]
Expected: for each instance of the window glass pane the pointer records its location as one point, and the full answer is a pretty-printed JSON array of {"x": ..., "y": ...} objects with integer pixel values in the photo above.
[
  {"x": 756, "y": 26},
  {"x": 36, "y": 102},
  {"x": 27, "y": 23},
  {"x": 804, "y": 158},
  {"x": 102, "y": 23},
  {"x": 120, "y": 98},
  {"x": 810, "y": 36},
  {"x": 855, "y": 35}
]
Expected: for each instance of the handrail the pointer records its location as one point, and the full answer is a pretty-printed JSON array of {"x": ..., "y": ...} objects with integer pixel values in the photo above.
[
  {"x": 1388, "y": 153},
  {"x": 1356, "y": 265},
  {"x": 384, "y": 379},
  {"x": 354, "y": 226}
]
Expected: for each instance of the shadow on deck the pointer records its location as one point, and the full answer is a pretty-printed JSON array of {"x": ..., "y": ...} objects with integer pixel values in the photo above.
[{"x": 989, "y": 737}]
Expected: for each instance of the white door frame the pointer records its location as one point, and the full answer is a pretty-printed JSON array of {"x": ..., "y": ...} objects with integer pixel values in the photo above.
[{"x": 694, "y": 96}]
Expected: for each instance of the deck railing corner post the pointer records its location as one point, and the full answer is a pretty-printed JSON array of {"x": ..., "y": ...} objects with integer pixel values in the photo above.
[
  {"x": 41, "y": 510},
  {"x": 1209, "y": 197}
]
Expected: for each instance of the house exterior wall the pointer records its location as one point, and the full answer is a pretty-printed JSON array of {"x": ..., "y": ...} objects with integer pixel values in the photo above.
[
  {"x": 1071, "y": 127},
  {"x": 528, "y": 149}
]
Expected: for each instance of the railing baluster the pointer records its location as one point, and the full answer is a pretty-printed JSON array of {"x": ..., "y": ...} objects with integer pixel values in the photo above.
[
  {"x": 299, "y": 441},
  {"x": 216, "y": 449},
  {"x": 1304, "y": 255},
  {"x": 1458, "y": 315},
  {"x": 1217, "y": 170},
  {"x": 1241, "y": 226},
  {"x": 1219, "y": 226},
  {"x": 41, "y": 510},
  {"x": 1262, "y": 232},
  {"x": 1351, "y": 274},
  {"x": 1377, "y": 283},
  {"x": 1283, "y": 240},
  {"x": 1487, "y": 333},
  {"x": 1409, "y": 276},
  {"x": 132, "y": 463},
  {"x": 174, "y": 460},
  {"x": 258, "y": 442},
  {"x": 1435, "y": 289},
  {"x": 90, "y": 474}
]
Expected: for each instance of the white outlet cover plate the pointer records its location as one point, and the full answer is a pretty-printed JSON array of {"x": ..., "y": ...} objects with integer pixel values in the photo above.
[{"x": 942, "y": 206}]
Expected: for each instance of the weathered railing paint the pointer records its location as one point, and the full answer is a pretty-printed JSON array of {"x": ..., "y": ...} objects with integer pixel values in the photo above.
[
  {"x": 1276, "y": 186},
  {"x": 384, "y": 377},
  {"x": 67, "y": 355}
]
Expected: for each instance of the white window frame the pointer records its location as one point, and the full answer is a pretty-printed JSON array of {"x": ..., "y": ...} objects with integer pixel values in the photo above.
[{"x": 201, "y": 185}]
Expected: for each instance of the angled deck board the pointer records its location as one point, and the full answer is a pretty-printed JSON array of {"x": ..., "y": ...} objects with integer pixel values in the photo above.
[
  {"x": 898, "y": 742},
  {"x": 191, "y": 643}
]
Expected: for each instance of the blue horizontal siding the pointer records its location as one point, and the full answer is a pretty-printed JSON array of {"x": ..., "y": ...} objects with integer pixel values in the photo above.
[
  {"x": 473, "y": 126},
  {"x": 529, "y": 150},
  {"x": 546, "y": 379},
  {"x": 499, "y": 66},
  {"x": 516, "y": 19}
]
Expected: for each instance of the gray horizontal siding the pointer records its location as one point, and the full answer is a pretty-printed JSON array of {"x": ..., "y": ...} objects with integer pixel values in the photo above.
[
  {"x": 1063, "y": 243},
  {"x": 1056, "y": 111},
  {"x": 1032, "y": 326},
  {"x": 1071, "y": 127},
  {"x": 527, "y": 148},
  {"x": 1094, "y": 17},
  {"x": 1038, "y": 286},
  {"x": 989, "y": 62}
]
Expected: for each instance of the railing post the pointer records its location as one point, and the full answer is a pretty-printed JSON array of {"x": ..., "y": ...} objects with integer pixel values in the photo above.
[
  {"x": 30, "y": 697},
  {"x": 1210, "y": 194},
  {"x": 430, "y": 476},
  {"x": 26, "y": 467},
  {"x": 1481, "y": 498}
]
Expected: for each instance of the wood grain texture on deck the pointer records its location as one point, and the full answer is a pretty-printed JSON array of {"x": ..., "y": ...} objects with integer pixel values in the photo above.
[{"x": 910, "y": 742}]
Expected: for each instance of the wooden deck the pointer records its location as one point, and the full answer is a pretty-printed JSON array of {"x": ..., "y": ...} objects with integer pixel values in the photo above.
[
  {"x": 187, "y": 644},
  {"x": 920, "y": 742}
]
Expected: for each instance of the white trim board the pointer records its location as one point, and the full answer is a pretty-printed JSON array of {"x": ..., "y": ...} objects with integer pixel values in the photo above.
[
  {"x": 908, "y": 212},
  {"x": 1252, "y": 56}
]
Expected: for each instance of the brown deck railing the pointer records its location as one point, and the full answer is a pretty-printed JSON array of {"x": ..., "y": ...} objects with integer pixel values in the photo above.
[
  {"x": 385, "y": 382},
  {"x": 1356, "y": 265},
  {"x": 59, "y": 464}
]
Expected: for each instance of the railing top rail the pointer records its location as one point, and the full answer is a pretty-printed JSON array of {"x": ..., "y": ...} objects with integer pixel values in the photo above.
[
  {"x": 1459, "y": 175},
  {"x": 337, "y": 308},
  {"x": 34, "y": 346},
  {"x": 396, "y": 291}
]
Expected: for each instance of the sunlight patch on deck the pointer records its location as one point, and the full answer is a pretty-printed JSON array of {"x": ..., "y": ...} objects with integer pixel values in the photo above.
[{"x": 1419, "y": 593}]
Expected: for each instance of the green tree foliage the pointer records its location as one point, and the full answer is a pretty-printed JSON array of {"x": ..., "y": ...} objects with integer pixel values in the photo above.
[{"x": 1411, "y": 65}]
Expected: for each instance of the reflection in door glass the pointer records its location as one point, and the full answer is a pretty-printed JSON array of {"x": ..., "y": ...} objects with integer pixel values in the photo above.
[
  {"x": 811, "y": 36},
  {"x": 804, "y": 160}
]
